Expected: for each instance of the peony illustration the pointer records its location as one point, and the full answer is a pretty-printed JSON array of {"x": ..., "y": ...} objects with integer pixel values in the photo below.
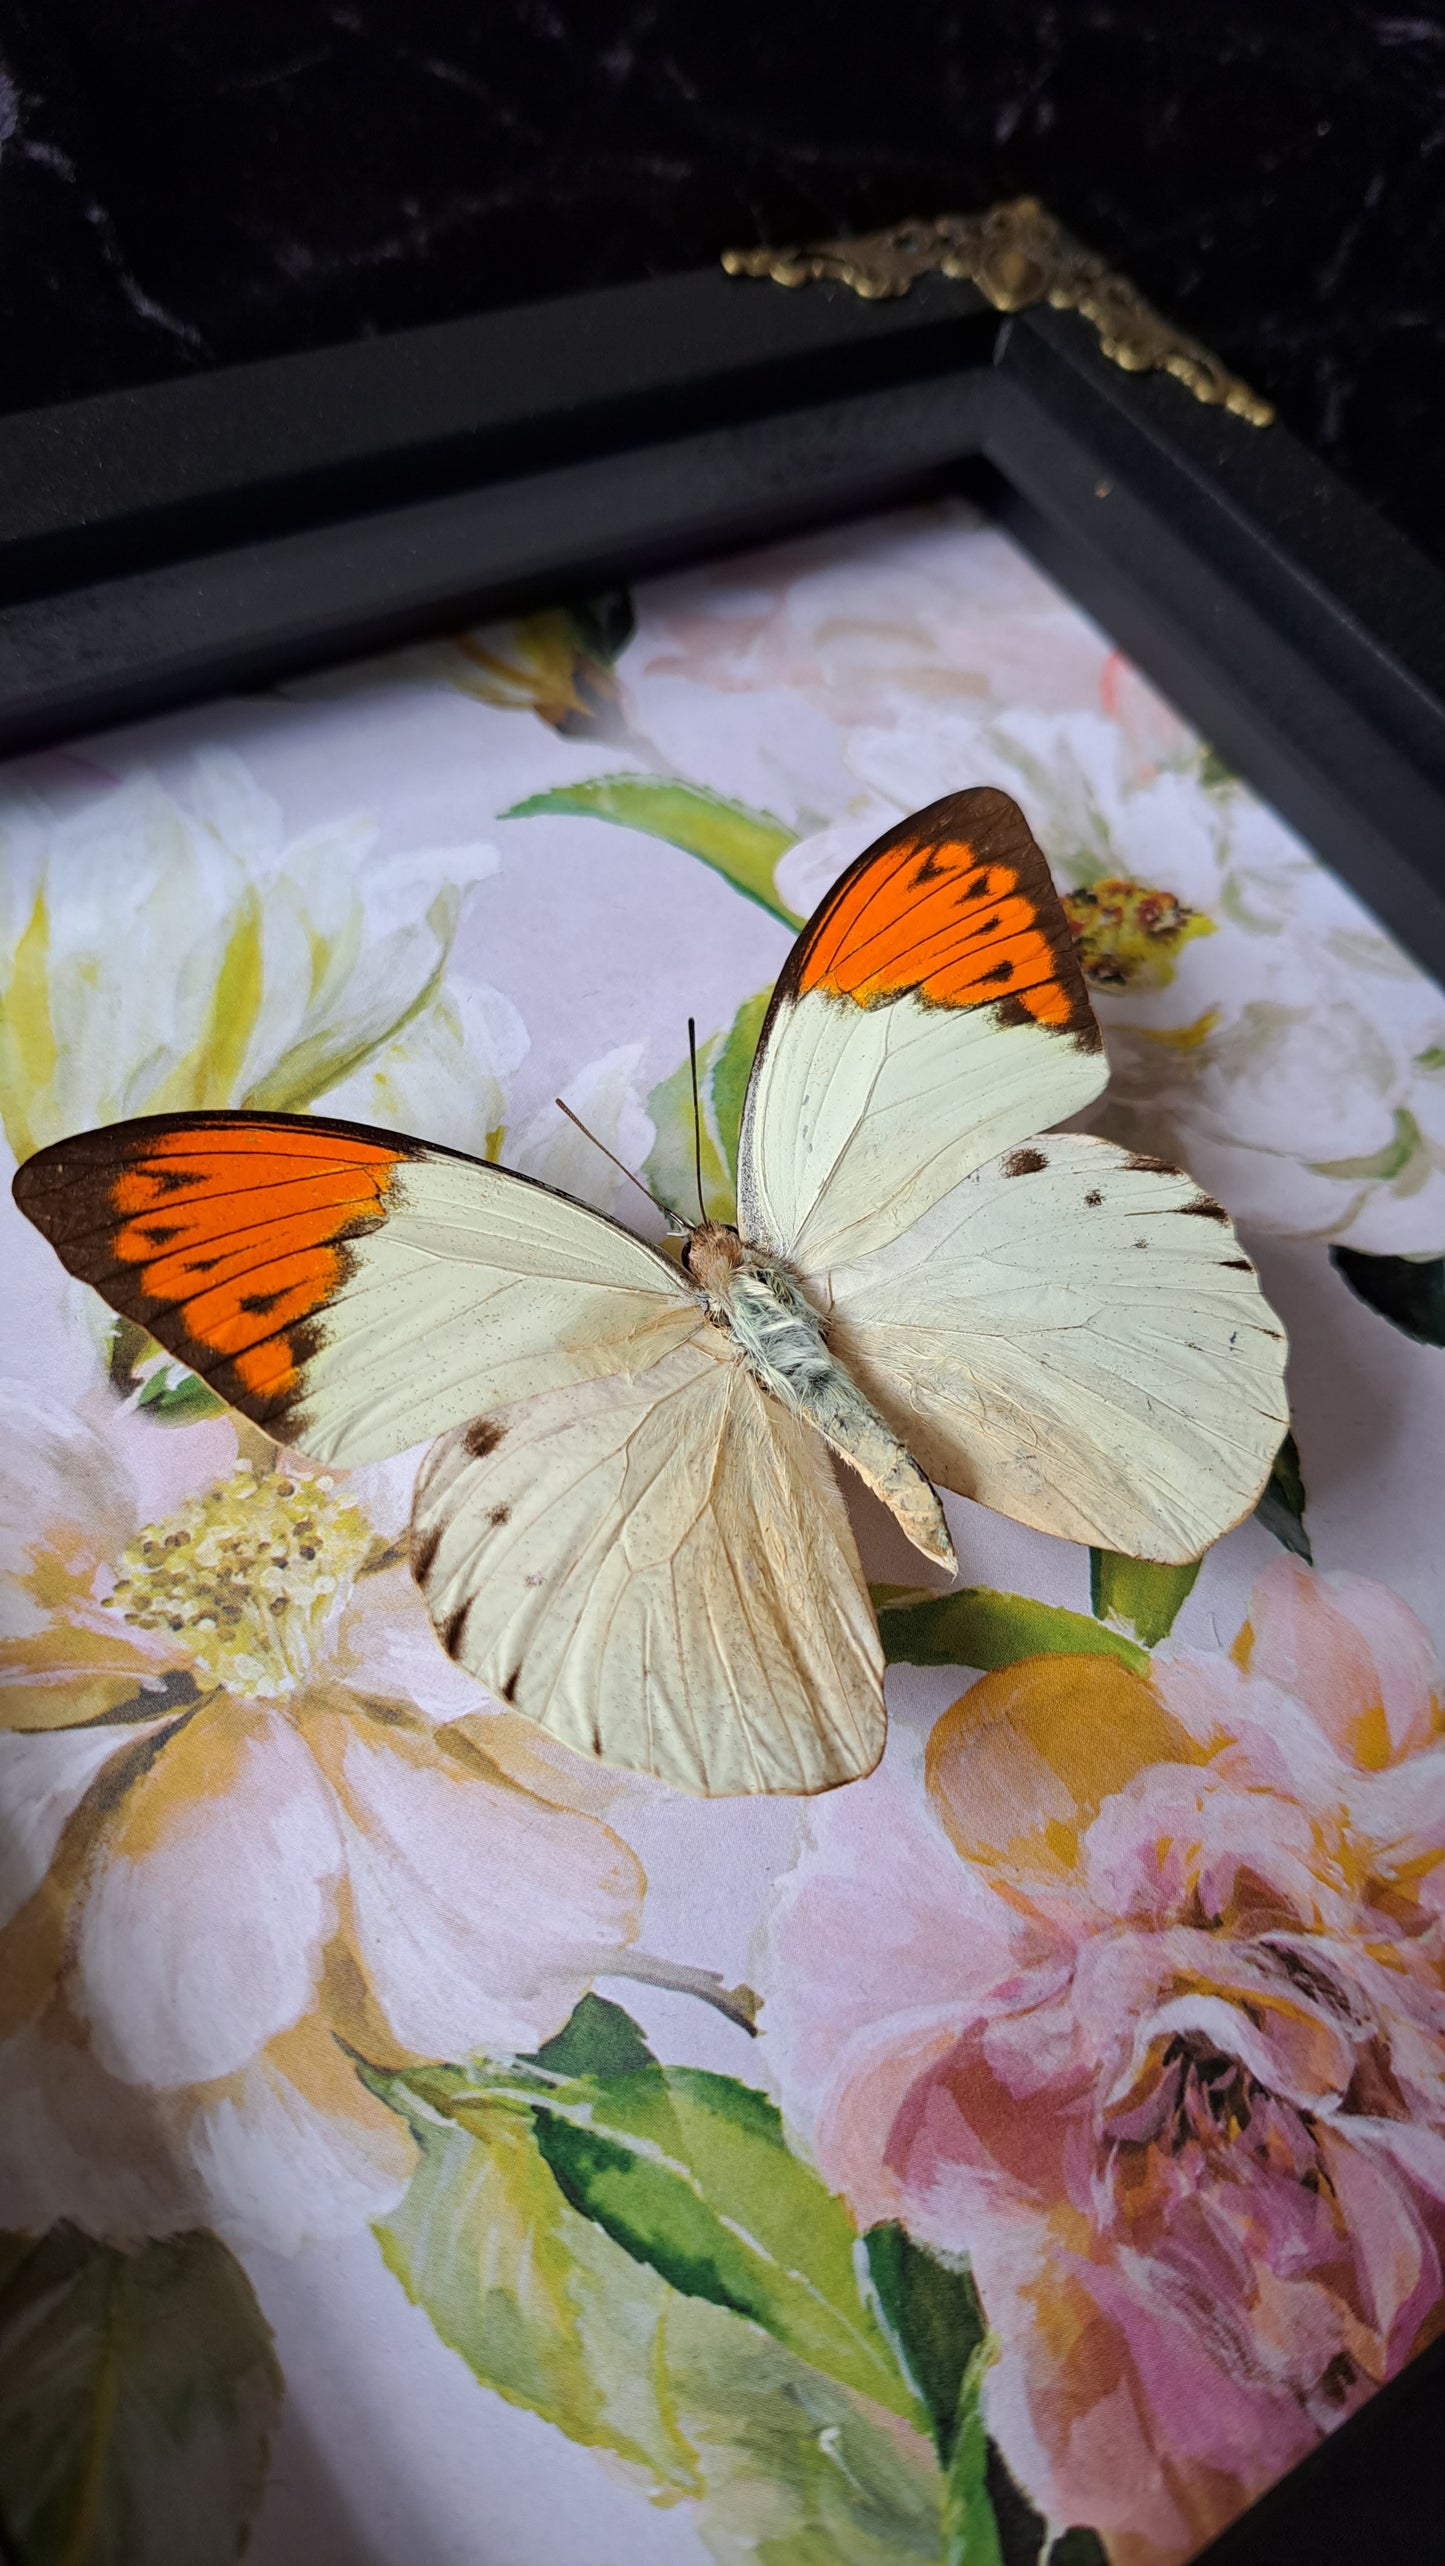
[
  {"x": 1142, "y": 2007},
  {"x": 751, "y": 675},
  {"x": 253, "y": 1841}
]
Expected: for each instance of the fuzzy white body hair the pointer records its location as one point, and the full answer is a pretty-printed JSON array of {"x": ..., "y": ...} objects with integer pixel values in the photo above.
[{"x": 780, "y": 1337}]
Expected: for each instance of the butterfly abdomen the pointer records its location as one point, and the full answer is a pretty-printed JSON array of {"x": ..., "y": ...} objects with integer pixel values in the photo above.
[{"x": 780, "y": 1337}]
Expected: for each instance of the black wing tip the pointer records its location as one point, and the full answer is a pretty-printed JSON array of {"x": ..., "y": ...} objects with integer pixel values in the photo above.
[{"x": 997, "y": 828}]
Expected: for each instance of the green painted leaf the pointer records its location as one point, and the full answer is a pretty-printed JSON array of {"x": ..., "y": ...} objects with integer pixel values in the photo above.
[
  {"x": 970, "y": 2533},
  {"x": 1023, "y": 2533},
  {"x": 733, "y": 1069},
  {"x": 138, "y": 2391},
  {"x": 931, "y": 2311},
  {"x": 1281, "y": 1509},
  {"x": 171, "y": 1396},
  {"x": 138, "y": 1368},
  {"x": 537, "y": 2300},
  {"x": 597, "y": 2039},
  {"x": 784, "y": 2466},
  {"x": 1409, "y": 1291},
  {"x": 691, "y": 2174},
  {"x": 978, "y": 1627},
  {"x": 741, "y": 843},
  {"x": 797, "y": 2471},
  {"x": 723, "y": 1064},
  {"x": 1139, "y": 1595}
]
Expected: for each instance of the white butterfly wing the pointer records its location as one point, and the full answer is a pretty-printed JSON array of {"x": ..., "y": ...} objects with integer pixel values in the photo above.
[
  {"x": 661, "y": 1572},
  {"x": 352, "y": 1291},
  {"x": 1075, "y": 1337},
  {"x": 931, "y": 1014}
]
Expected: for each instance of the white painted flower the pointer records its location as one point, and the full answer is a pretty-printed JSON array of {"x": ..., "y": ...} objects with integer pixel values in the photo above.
[
  {"x": 254, "y": 1842},
  {"x": 160, "y": 953},
  {"x": 1293, "y": 1059},
  {"x": 607, "y": 1097},
  {"x": 445, "y": 1075}
]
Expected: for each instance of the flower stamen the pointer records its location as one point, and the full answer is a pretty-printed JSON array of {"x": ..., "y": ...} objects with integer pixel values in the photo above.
[{"x": 249, "y": 1576}]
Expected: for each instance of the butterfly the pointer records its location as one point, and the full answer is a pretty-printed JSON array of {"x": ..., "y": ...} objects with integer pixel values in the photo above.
[{"x": 628, "y": 1526}]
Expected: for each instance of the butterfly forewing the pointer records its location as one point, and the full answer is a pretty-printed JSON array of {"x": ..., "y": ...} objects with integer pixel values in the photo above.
[
  {"x": 352, "y": 1291},
  {"x": 931, "y": 1014}
]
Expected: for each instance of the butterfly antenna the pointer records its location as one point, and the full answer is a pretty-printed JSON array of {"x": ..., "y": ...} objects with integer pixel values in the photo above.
[
  {"x": 607, "y": 1153},
  {"x": 696, "y": 1118}
]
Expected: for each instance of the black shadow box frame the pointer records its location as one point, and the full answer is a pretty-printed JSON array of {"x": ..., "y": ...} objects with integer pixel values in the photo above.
[{"x": 158, "y": 545}]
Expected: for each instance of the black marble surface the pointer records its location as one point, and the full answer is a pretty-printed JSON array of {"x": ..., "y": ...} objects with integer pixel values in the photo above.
[{"x": 183, "y": 184}]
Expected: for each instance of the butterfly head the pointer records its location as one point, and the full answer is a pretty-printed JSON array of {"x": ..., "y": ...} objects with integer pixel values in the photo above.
[{"x": 712, "y": 1256}]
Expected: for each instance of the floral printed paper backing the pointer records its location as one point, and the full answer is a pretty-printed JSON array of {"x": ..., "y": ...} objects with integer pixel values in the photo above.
[{"x": 415, "y": 2141}]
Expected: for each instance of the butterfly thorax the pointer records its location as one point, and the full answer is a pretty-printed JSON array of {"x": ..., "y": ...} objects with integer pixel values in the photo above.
[{"x": 757, "y": 1301}]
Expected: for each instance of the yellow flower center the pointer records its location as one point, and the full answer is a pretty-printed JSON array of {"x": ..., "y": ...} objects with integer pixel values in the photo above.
[{"x": 249, "y": 1577}]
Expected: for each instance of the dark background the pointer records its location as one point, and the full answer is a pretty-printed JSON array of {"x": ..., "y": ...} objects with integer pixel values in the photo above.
[{"x": 189, "y": 183}]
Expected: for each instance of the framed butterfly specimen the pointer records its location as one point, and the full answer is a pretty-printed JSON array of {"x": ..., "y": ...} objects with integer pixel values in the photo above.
[
  {"x": 631, "y": 1522},
  {"x": 629, "y": 1529}
]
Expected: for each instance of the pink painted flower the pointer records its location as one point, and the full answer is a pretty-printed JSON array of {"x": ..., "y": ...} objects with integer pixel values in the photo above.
[
  {"x": 252, "y": 1839},
  {"x": 1164, "y": 2053}
]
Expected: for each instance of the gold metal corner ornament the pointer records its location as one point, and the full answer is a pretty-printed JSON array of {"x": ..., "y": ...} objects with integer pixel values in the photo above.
[{"x": 1017, "y": 254}]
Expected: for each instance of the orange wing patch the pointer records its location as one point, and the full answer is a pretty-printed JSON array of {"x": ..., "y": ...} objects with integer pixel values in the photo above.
[
  {"x": 956, "y": 908},
  {"x": 224, "y": 1235}
]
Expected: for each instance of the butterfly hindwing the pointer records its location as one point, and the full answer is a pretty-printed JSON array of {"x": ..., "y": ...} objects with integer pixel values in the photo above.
[
  {"x": 1075, "y": 1336},
  {"x": 931, "y": 1014},
  {"x": 661, "y": 1572},
  {"x": 352, "y": 1291}
]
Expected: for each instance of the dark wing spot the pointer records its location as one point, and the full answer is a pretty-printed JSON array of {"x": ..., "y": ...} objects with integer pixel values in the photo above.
[
  {"x": 423, "y": 1554},
  {"x": 509, "y": 1689},
  {"x": 455, "y": 1631},
  {"x": 1001, "y": 973},
  {"x": 175, "y": 1180},
  {"x": 483, "y": 1436},
  {"x": 1094, "y": 1199},
  {"x": 500, "y": 1515},
  {"x": 1202, "y": 1209},
  {"x": 928, "y": 871},
  {"x": 1024, "y": 1162},
  {"x": 260, "y": 1304},
  {"x": 973, "y": 889},
  {"x": 1139, "y": 1163},
  {"x": 161, "y": 1233},
  {"x": 1236, "y": 1265}
]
